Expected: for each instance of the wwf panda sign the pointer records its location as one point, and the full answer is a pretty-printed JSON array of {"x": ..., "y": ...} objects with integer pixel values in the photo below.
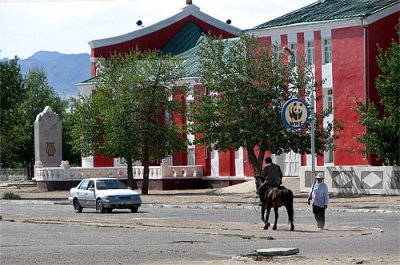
[{"x": 295, "y": 113}]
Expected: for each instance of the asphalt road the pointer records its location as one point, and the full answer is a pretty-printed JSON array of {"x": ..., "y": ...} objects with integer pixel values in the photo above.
[{"x": 51, "y": 234}]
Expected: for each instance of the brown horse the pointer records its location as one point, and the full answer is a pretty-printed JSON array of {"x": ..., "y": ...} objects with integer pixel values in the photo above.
[{"x": 276, "y": 197}]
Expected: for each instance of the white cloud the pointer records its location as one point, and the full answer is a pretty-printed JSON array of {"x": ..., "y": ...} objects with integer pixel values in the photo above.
[{"x": 67, "y": 26}]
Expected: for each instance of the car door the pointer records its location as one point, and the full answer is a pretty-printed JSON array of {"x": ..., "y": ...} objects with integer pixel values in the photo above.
[
  {"x": 80, "y": 193},
  {"x": 90, "y": 198}
]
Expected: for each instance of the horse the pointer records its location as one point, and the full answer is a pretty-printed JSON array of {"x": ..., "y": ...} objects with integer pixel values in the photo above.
[{"x": 275, "y": 197}]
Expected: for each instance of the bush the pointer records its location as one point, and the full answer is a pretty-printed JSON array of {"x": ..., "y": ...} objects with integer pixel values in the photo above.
[{"x": 9, "y": 195}]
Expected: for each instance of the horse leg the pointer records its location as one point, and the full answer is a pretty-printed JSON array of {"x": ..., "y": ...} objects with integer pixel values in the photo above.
[
  {"x": 276, "y": 217},
  {"x": 290, "y": 216},
  {"x": 263, "y": 212},
  {"x": 266, "y": 219},
  {"x": 289, "y": 207},
  {"x": 291, "y": 226}
]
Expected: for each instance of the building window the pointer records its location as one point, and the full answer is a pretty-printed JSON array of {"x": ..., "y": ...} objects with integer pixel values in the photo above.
[
  {"x": 191, "y": 157},
  {"x": 330, "y": 98},
  {"x": 327, "y": 51},
  {"x": 328, "y": 157},
  {"x": 310, "y": 53},
  {"x": 293, "y": 48}
]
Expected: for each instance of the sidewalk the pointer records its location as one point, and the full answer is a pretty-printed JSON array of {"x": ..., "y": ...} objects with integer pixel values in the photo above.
[{"x": 240, "y": 195}]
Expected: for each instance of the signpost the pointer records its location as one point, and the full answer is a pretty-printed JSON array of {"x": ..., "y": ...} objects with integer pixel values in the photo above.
[
  {"x": 295, "y": 113},
  {"x": 312, "y": 118}
]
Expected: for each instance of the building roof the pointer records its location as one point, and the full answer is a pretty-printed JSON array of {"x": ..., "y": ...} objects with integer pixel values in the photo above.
[
  {"x": 188, "y": 11},
  {"x": 191, "y": 59},
  {"x": 329, "y": 10},
  {"x": 190, "y": 63},
  {"x": 188, "y": 37},
  {"x": 93, "y": 80}
]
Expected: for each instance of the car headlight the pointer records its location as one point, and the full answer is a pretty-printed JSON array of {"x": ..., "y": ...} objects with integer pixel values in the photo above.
[{"x": 111, "y": 197}]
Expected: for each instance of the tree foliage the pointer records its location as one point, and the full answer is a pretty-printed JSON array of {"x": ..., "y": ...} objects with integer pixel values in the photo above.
[
  {"x": 249, "y": 85},
  {"x": 382, "y": 120},
  {"x": 12, "y": 95},
  {"x": 129, "y": 114},
  {"x": 22, "y": 98}
]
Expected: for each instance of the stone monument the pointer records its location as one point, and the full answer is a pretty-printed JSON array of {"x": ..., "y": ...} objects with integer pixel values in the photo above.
[{"x": 48, "y": 138}]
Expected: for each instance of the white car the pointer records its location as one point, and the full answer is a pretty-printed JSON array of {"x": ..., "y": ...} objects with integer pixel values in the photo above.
[{"x": 104, "y": 195}]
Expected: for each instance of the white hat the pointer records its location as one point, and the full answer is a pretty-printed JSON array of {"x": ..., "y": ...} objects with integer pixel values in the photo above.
[{"x": 319, "y": 176}]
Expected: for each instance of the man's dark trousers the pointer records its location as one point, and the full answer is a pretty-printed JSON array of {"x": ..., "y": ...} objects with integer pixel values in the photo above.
[{"x": 319, "y": 214}]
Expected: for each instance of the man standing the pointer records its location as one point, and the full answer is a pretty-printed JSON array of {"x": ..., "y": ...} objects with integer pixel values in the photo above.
[
  {"x": 320, "y": 197},
  {"x": 273, "y": 177}
]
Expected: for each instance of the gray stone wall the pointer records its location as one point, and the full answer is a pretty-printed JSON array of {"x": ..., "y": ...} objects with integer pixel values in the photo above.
[{"x": 48, "y": 138}]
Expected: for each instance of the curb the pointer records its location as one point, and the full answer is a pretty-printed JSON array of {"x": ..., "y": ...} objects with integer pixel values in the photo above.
[
  {"x": 362, "y": 209},
  {"x": 277, "y": 251}
]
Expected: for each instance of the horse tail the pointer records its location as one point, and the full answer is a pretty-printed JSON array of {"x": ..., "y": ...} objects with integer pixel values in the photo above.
[{"x": 288, "y": 199}]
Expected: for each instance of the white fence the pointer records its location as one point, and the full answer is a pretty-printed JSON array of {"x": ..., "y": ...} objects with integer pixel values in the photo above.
[
  {"x": 355, "y": 179},
  {"x": 65, "y": 172}
]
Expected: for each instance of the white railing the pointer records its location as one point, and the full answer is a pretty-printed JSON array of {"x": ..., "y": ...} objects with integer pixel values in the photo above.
[{"x": 65, "y": 172}]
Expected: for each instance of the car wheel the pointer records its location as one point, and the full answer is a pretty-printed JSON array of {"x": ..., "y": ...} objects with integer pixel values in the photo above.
[
  {"x": 99, "y": 206},
  {"x": 109, "y": 210},
  {"x": 134, "y": 209},
  {"x": 77, "y": 206}
]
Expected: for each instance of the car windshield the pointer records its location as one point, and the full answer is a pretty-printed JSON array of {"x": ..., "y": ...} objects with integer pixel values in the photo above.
[{"x": 110, "y": 184}]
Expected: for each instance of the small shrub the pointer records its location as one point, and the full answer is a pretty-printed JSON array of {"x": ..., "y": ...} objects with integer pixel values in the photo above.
[
  {"x": 9, "y": 195},
  {"x": 256, "y": 257}
]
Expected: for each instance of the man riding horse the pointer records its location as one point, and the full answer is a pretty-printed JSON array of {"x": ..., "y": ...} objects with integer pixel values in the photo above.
[
  {"x": 272, "y": 197},
  {"x": 273, "y": 178}
]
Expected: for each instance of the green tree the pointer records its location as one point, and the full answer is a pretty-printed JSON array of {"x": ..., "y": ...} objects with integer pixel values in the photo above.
[
  {"x": 69, "y": 153},
  {"x": 12, "y": 94},
  {"x": 382, "y": 120},
  {"x": 22, "y": 98},
  {"x": 249, "y": 84},
  {"x": 128, "y": 115}
]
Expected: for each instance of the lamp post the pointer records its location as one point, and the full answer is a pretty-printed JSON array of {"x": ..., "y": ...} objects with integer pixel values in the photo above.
[{"x": 312, "y": 99}]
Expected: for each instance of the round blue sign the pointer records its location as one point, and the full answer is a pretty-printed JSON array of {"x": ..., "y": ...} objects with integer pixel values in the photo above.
[{"x": 295, "y": 113}]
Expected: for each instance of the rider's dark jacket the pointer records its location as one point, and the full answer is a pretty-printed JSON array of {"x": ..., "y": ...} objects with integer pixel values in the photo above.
[{"x": 273, "y": 175}]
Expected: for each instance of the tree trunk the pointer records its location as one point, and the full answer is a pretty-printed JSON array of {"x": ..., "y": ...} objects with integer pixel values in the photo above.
[
  {"x": 256, "y": 162},
  {"x": 30, "y": 169},
  {"x": 130, "y": 171},
  {"x": 146, "y": 171}
]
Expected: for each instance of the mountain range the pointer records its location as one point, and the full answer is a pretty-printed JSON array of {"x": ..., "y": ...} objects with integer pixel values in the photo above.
[{"x": 63, "y": 71}]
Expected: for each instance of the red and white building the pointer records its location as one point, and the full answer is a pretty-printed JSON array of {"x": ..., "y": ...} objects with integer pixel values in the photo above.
[
  {"x": 339, "y": 38},
  {"x": 175, "y": 35}
]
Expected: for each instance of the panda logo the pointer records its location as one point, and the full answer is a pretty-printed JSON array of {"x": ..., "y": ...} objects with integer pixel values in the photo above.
[{"x": 296, "y": 111}]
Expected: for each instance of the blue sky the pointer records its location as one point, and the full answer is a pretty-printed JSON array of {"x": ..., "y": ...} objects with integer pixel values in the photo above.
[{"x": 66, "y": 26}]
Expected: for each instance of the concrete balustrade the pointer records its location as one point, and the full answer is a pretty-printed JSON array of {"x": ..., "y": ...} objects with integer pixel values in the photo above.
[
  {"x": 65, "y": 172},
  {"x": 355, "y": 179},
  {"x": 181, "y": 171}
]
